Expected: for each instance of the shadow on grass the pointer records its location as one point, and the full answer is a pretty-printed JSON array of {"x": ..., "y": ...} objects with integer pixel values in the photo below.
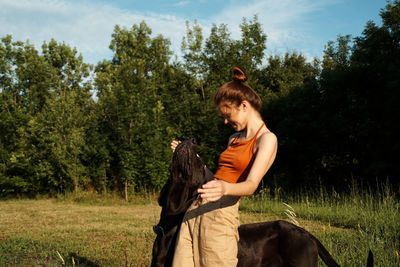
[{"x": 82, "y": 261}]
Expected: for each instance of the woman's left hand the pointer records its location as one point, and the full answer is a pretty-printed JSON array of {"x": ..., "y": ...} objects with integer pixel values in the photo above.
[{"x": 213, "y": 190}]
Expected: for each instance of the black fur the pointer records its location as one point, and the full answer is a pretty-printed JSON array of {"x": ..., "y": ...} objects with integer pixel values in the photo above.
[{"x": 275, "y": 243}]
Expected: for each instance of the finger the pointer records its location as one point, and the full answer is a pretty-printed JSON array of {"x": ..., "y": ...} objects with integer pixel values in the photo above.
[
  {"x": 211, "y": 194},
  {"x": 211, "y": 184},
  {"x": 174, "y": 144},
  {"x": 209, "y": 191},
  {"x": 204, "y": 191}
]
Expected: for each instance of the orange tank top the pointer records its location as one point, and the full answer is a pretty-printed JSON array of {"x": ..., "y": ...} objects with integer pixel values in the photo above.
[{"x": 235, "y": 162}]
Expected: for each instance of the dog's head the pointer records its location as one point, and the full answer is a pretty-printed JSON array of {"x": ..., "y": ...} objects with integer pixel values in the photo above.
[
  {"x": 186, "y": 166},
  {"x": 187, "y": 173}
]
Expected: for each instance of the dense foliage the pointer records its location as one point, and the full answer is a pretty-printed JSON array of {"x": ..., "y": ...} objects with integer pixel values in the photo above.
[{"x": 66, "y": 125}]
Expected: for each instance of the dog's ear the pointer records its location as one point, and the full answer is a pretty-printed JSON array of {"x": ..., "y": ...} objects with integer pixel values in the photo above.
[
  {"x": 163, "y": 197},
  {"x": 173, "y": 195},
  {"x": 209, "y": 175},
  {"x": 198, "y": 177},
  {"x": 198, "y": 172},
  {"x": 178, "y": 195}
]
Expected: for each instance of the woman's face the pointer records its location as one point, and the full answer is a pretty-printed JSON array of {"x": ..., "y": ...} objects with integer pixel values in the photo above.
[{"x": 234, "y": 115}]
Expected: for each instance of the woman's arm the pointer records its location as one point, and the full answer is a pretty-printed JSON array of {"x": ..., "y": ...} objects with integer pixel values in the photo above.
[{"x": 264, "y": 158}]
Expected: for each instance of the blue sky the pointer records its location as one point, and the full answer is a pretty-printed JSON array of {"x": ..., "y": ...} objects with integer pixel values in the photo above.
[{"x": 291, "y": 25}]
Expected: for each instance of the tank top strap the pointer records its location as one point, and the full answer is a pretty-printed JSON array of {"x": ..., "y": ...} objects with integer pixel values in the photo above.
[
  {"x": 252, "y": 139},
  {"x": 259, "y": 130},
  {"x": 235, "y": 139}
]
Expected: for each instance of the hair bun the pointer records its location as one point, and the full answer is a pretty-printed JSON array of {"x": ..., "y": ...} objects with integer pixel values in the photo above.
[{"x": 239, "y": 75}]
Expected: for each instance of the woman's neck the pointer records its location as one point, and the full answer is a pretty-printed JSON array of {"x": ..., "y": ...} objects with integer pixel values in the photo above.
[{"x": 253, "y": 124}]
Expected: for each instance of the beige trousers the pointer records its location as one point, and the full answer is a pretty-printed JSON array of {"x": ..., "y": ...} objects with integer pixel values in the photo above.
[{"x": 209, "y": 234}]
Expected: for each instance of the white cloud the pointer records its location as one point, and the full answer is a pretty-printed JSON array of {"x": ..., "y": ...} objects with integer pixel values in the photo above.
[
  {"x": 285, "y": 21},
  {"x": 182, "y": 3},
  {"x": 88, "y": 25}
]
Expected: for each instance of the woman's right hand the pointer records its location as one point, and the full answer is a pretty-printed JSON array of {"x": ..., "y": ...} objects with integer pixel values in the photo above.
[{"x": 174, "y": 144}]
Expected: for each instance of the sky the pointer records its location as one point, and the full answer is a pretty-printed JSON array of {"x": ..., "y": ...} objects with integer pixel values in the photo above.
[{"x": 302, "y": 26}]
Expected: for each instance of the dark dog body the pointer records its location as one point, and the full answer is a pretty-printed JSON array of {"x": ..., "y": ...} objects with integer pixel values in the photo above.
[
  {"x": 279, "y": 243},
  {"x": 276, "y": 243}
]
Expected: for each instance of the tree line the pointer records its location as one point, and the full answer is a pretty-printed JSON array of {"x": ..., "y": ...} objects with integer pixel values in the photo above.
[{"x": 66, "y": 125}]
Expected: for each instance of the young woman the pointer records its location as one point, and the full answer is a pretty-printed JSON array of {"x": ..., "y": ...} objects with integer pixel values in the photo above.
[{"x": 208, "y": 234}]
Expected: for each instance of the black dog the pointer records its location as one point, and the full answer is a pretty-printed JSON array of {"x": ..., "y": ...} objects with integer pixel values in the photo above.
[{"x": 276, "y": 243}]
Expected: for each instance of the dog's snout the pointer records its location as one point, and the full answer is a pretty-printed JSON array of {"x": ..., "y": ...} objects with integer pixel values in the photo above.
[{"x": 193, "y": 140}]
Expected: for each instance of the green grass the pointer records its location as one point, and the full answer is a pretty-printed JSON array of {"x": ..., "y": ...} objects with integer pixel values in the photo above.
[
  {"x": 351, "y": 223},
  {"x": 104, "y": 230},
  {"x": 104, "y": 234}
]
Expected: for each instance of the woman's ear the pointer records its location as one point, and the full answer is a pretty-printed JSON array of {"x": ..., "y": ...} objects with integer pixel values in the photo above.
[{"x": 244, "y": 105}]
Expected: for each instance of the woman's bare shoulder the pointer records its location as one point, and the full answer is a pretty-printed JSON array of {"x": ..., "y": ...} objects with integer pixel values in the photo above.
[
  {"x": 266, "y": 138},
  {"x": 268, "y": 134}
]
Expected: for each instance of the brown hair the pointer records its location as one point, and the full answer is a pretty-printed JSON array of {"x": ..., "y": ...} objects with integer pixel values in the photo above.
[{"x": 236, "y": 91}]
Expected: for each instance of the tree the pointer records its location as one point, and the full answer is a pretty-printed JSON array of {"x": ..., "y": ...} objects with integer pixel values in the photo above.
[
  {"x": 375, "y": 94},
  {"x": 49, "y": 93},
  {"x": 129, "y": 89},
  {"x": 291, "y": 110}
]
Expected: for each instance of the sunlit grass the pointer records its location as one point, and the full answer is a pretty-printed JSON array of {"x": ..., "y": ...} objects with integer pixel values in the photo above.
[
  {"x": 353, "y": 222},
  {"x": 105, "y": 230},
  {"x": 33, "y": 231}
]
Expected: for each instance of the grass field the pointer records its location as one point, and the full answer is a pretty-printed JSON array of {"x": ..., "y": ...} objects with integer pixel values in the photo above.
[{"x": 93, "y": 230}]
